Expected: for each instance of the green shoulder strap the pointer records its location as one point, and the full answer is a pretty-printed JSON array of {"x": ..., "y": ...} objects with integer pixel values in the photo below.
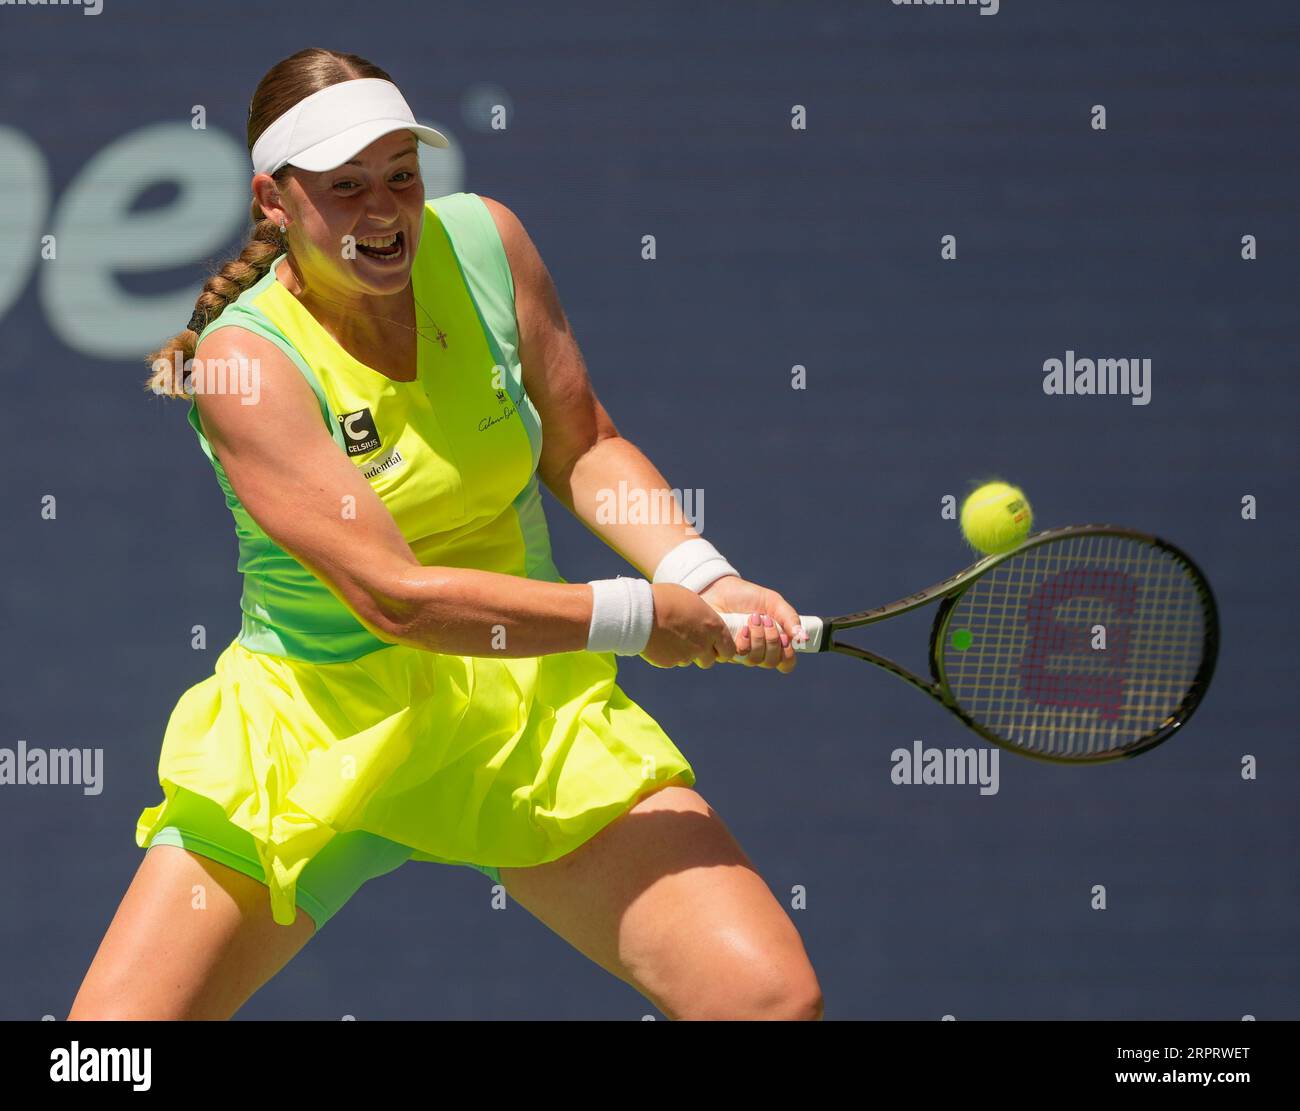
[{"x": 243, "y": 313}]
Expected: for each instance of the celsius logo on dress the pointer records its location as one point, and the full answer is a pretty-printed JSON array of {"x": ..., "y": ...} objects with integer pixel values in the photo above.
[{"x": 359, "y": 432}]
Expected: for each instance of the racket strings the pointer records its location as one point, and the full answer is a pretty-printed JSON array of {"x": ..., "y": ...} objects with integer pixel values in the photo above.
[{"x": 1079, "y": 647}]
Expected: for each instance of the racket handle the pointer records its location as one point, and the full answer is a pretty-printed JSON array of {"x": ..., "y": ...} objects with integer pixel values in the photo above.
[{"x": 813, "y": 626}]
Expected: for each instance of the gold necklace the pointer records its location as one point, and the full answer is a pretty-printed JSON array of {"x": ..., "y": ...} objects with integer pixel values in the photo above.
[{"x": 441, "y": 337}]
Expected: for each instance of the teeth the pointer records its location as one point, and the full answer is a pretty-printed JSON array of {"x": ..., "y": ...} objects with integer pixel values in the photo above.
[{"x": 378, "y": 241}]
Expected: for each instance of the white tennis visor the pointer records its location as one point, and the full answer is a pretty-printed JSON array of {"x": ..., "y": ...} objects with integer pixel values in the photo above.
[{"x": 326, "y": 129}]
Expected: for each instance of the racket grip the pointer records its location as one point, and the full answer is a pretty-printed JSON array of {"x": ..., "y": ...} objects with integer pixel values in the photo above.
[{"x": 812, "y": 626}]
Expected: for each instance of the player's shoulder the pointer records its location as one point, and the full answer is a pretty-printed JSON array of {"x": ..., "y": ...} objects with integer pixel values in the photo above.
[
  {"x": 461, "y": 213},
  {"x": 509, "y": 226},
  {"x": 461, "y": 201},
  {"x": 526, "y": 266},
  {"x": 236, "y": 339},
  {"x": 240, "y": 374}
]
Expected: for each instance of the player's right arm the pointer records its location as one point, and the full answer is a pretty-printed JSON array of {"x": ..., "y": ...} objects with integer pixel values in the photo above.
[{"x": 312, "y": 501}]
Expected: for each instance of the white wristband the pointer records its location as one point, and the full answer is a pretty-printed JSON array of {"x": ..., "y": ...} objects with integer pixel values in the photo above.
[
  {"x": 622, "y": 616},
  {"x": 695, "y": 564}
]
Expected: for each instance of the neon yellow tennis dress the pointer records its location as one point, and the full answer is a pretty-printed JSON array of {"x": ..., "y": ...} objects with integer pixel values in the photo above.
[{"x": 311, "y": 726}]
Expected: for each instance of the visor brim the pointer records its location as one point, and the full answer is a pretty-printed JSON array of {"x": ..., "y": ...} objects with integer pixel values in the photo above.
[{"x": 337, "y": 149}]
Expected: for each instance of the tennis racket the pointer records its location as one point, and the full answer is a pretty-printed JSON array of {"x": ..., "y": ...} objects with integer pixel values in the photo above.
[{"x": 1083, "y": 644}]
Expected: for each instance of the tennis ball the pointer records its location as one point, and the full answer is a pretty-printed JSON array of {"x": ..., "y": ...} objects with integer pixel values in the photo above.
[{"x": 995, "y": 518}]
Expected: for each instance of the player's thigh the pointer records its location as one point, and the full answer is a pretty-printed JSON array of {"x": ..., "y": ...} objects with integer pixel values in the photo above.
[
  {"x": 171, "y": 954},
  {"x": 665, "y": 899}
]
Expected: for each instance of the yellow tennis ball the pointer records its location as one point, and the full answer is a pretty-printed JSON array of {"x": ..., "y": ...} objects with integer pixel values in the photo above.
[{"x": 995, "y": 518}]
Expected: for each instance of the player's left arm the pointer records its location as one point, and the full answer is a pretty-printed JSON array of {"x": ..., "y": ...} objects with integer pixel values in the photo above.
[
  {"x": 584, "y": 458},
  {"x": 582, "y": 451}
]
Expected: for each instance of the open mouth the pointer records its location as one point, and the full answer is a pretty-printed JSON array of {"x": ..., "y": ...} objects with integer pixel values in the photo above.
[{"x": 386, "y": 248}]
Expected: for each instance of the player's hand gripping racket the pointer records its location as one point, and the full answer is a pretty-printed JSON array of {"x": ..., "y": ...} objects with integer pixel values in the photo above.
[{"x": 1083, "y": 644}]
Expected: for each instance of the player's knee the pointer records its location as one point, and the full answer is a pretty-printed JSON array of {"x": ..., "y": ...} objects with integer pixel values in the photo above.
[
  {"x": 814, "y": 1005},
  {"x": 799, "y": 1001},
  {"x": 762, "y": 992}
]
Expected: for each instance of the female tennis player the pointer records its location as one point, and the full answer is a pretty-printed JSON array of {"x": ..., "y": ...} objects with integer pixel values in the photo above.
[{"x": 413, "y": 679}]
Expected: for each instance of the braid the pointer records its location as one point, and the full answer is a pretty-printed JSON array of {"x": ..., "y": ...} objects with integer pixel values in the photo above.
[{"x": 265, "y": 244}]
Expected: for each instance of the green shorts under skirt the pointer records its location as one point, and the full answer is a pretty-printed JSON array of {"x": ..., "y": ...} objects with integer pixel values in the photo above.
[{"x": 330, "y": 878}]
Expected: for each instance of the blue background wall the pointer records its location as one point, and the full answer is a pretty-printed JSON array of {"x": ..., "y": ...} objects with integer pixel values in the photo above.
[{"x": 776, "y": 247}]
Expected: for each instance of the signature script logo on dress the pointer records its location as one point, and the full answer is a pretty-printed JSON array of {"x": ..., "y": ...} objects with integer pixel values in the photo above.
[
  {"x": 359, "y": 432},
  {"x": 507, "y": 409}
]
